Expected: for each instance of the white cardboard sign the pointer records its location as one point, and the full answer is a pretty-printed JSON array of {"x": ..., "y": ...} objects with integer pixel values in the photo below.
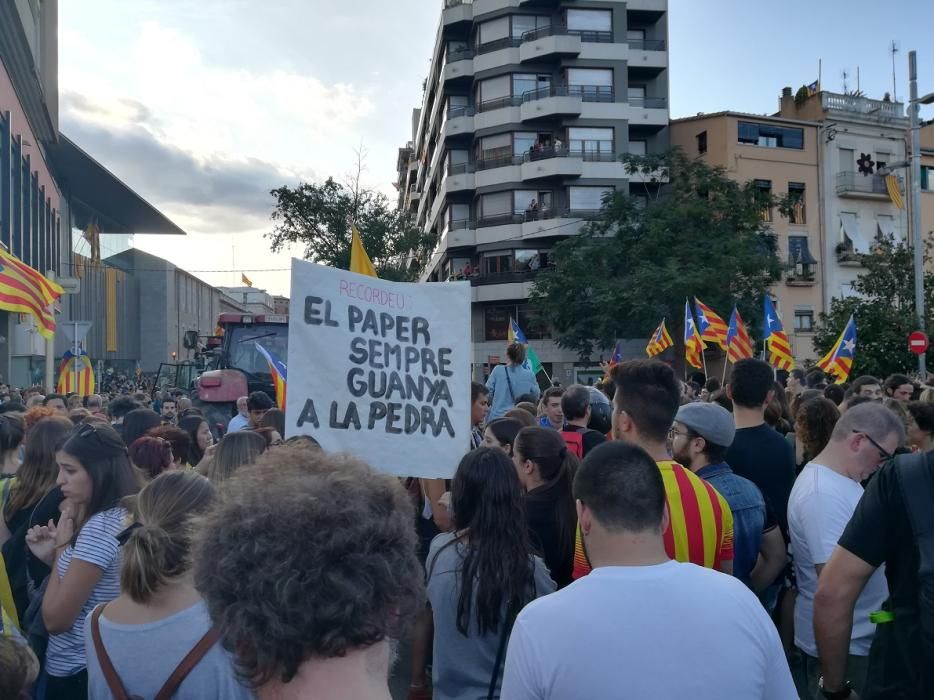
[{"x": 380, "y": 369}]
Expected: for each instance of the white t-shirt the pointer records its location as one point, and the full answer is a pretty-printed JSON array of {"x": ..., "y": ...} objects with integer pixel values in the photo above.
[
  {"x": 666, "y": 631},
  {"x": 819, "y": 508}
]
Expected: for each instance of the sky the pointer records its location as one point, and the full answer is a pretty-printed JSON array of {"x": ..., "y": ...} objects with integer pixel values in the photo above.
[{"x": 203, "y": 107}]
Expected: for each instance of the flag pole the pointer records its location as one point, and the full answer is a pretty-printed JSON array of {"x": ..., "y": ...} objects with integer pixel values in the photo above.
[{"x": 726, "y": 361}]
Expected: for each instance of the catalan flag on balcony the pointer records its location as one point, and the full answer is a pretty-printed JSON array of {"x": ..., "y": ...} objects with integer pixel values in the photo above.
[
  {"x": 776, "y": 340},
  {"x": 839, "y": 360},
  {"x": 895, "y": 193},
  {"x": 76, "y": 374},
  {"x": 24, "y": 290},
  {"x": 693, "y": 344},
  {"x": 711, "y": 326},
  {"x": 659, "y": 342},
  {"x": 279, "y": 373},
  {"x": 813, "y": 88},
  {"x": 738, "y": 342}
]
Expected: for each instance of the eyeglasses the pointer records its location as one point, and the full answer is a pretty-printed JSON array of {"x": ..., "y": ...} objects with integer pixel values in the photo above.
[
  {"x": 883, "y": 453},
  {"x": 673, "y": 433}
]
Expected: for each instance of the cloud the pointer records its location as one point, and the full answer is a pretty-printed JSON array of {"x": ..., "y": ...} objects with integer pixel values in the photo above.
[{"x": 211, "y": 193}]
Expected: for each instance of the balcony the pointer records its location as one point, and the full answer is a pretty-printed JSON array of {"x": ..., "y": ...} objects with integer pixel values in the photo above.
[
  {"x": 460, "y": 121},
  {"x": 459, "y": 177},
  {"x": 552, "y": 162},
  {"x": 552, "y": 42},
  {"x": 562, "y": 100},
  {"x": 457, "y": 12},
  {"x": 800, "y": 275},
  {"x": 878, "y": 110},
  {"x": 859, "y": 186},
  {"x": 646, "y": 45},
  {"x": 459, "y": 65},
  {"x": 847, "y": 255}
]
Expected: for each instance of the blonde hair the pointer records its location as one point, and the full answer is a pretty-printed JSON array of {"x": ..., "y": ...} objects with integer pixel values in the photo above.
[
  {"x": 235, "y": 450},
  {"x": 159, "y": 549},
  {"x": 927, "y": 395}
]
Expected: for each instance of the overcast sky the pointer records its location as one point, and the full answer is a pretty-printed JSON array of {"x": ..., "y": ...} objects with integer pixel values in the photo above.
[{"x": 203, "y": 107}]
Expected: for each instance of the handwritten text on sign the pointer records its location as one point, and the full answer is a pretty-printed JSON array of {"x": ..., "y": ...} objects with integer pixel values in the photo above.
[{"x": 380, "y": 369}]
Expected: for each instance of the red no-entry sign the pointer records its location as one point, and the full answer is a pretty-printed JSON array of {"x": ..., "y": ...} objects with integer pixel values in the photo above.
[{"x": 918, "y": 342}]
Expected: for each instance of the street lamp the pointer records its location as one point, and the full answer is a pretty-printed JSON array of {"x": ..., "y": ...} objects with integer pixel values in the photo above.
[{"x": 914, "y": 108}]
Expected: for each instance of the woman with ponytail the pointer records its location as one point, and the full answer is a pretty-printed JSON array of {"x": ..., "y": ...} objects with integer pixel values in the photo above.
[
  {"x": 480, "y": 576},
  {"x": 142, "y": 637},
  {"x": 546, "y": 470}
]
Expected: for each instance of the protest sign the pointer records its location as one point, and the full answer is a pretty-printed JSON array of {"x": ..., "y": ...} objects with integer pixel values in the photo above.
[{"x": 380, "y": 369}]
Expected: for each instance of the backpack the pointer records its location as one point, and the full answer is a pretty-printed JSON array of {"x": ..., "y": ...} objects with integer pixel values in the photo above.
[{"x": 574, "y": 442}]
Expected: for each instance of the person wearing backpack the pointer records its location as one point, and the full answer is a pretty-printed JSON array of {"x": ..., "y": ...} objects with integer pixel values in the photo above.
[
  {"x": 892, "y": 525},
  {"x": 156, "y": 640},
  {"x": 546, "y": 470},
  {"x": 575, "y": 404},
  {"x": 509, "y": 382}
]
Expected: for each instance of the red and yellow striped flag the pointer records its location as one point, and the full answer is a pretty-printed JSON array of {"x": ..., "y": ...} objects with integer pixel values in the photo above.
[
  {"x": 693, "y": 344},
  {"x": 76, "y": 375},
  {"x": 737, "y": 338},
  {"x": 659, "y": 342},
  {"x": 24, "y": 290},
  {"x": 776, "y": 340},
  {"x": 712, "y": 327}
]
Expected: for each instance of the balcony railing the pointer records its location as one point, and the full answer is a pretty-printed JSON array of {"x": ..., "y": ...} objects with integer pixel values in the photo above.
[
  {"x": 508, "y": 42},
  {"x": 459, "y": 168},
  {"x": 538, "y": 215},
  {"x": 455, "y": 111},
  {"x": 648, "y": 102},
  {"x": 588, "y": 93},
  {"x": 850, "y": 182},
  {"x": 494, "y": 160},
  {"x": 863, "y": 105},
  {"x": 562, "y": 30},
  {"x": 464, "y": 54},
  {"x": 647, "y": 44},
  {"x": 455, "y": 3},
  {"x": 499, "y": 103}
]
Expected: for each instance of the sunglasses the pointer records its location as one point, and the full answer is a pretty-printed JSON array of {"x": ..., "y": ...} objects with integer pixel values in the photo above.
[{"x": 884, "y": 453}]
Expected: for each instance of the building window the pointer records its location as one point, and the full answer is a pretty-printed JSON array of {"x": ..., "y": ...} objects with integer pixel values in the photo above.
[
  {"x": 702, "y": 142},
  {"x": 587, "y": 199},
  {"x": 927, "y": 178},
  {"x": 764, "y": 197},
  {"x": 590, "y": 140},
  {"x": 589, "y": 20},
  {"x": 770, "y": 136},
  {"x": 638, "y": 148},
  {"x": 528, "y": 23},
  {"x": 496, "y": 322},
  {"x": 804, "y": 321},
  {"x": 796, "y": 197}
]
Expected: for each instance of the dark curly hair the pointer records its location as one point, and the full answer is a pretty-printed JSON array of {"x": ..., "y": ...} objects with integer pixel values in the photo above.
[
  {"x": 307, "y": 555},
  {"x": 814, "y": 424}
]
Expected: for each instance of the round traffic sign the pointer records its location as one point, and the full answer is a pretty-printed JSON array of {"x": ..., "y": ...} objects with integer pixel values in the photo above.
[{"x": 918, "y": 342}]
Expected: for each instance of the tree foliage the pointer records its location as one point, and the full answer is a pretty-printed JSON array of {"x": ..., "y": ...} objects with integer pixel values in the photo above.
[
  {"x": 695, "y": 233},
  {"x": 318, "y": 216},
  {"x": 883, "y": 304}
]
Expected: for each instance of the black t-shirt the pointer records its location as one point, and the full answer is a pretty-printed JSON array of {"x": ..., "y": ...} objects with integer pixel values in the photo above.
[
  {"x": 764, "y": 457},
  {"x": 16, "y": 554},
  {"x": 589, "y": 438},
  {"x": 880, "y": 533},
  {"x": 545, "y": 532}
]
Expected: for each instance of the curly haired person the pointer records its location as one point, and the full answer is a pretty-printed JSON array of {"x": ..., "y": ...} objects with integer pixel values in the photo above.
[{"x": 308, "y": 566}]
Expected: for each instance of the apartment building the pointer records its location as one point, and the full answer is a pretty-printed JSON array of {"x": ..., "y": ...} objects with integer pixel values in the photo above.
[
  {"x": 857, "y": 137},
  {"x": 927, "y": 183},
  {"x": 527, "y": 108},
  {"x": 780, "y": 157}
]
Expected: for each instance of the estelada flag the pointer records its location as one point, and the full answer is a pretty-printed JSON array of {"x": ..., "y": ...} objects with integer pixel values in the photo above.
[
  {"x": 737, "y": 338},
  {"x": 279, "y": 373},
  {"x": 711, "y": 326},
  {"x": 659, "y": 342},
  {"x": 693, "y": 345},
  {"x": 839, "y": 360},
  {"x": 76, "y": 374},
  {"x": 24, "y": 290},
  {"x": 776, "y": 340}
]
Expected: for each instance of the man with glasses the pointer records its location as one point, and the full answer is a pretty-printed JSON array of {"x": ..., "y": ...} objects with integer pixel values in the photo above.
[{"x": 822, "y": 502}]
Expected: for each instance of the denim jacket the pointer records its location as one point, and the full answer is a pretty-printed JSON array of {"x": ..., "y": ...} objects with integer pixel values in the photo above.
[{"x": 749, "y": 515}]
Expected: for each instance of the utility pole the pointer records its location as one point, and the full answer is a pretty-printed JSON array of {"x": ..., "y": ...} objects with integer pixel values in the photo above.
[{"x": 914, "y": 107}]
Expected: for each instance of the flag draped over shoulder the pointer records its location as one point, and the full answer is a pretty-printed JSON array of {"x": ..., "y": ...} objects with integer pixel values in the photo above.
[
  {"x": 359, "y": 260},
  {"x": 693, "y": 345},
  {"x": 839, "y": 360},
  {"x": 659, "y": 342},
  {"x": 23, "y": 290},
  {"x": 279, "y": 373},
  {"x": 76, "y": 374},
  {"x": 738, "y": 342},
  {"x": 776, "y": 340},
  {"x": 710, "y": 324},
  {"x": 517, "y": 336}
]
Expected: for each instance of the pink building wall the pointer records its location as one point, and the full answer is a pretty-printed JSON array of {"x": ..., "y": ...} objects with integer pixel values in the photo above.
[{"x": 10, "y": 102}]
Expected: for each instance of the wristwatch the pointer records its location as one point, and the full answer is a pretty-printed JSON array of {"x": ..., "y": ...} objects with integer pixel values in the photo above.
[{"x": 841, "y": 694}]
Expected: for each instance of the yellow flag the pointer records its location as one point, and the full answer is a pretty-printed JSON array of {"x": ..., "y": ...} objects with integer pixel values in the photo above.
[
  {"x": 891, "y": 184},
  {"x": 359, "y": 260}
]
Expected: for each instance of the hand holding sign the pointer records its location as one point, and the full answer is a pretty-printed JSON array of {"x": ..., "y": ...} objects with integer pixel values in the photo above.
[{"x": 381, "y": 369}]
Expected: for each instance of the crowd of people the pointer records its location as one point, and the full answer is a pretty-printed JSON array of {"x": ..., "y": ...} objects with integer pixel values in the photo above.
[{"x": 646, "y": 538}]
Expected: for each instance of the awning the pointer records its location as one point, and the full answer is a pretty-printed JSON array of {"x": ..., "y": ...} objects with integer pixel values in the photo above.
[
  {"x": 95, "y": 191},
  {"x": 850, "y": 225},
  {"x": 798, "y": 251},
  {"x": 887, "y": 226}
]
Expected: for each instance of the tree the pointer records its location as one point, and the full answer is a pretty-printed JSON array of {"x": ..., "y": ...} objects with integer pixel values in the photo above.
[
  {"x": 694, "y": 233},
  {"x": 883, "y": 304},
  {"x": 319, "y": 216}
]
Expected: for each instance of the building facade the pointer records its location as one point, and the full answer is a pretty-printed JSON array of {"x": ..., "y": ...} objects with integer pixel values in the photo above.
[
  {"x": 927, "y": 184},
  {"x": 780, "y": 157},
  {"x": 256, "y": 301},
  {"x": 858, "y": 136},
  {"x": 527, "y": 108}
]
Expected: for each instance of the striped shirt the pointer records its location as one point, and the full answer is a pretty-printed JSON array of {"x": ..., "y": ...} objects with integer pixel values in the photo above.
[
  {"x": 701, "y": 526},
  {"x": 96, "y": 544}
]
